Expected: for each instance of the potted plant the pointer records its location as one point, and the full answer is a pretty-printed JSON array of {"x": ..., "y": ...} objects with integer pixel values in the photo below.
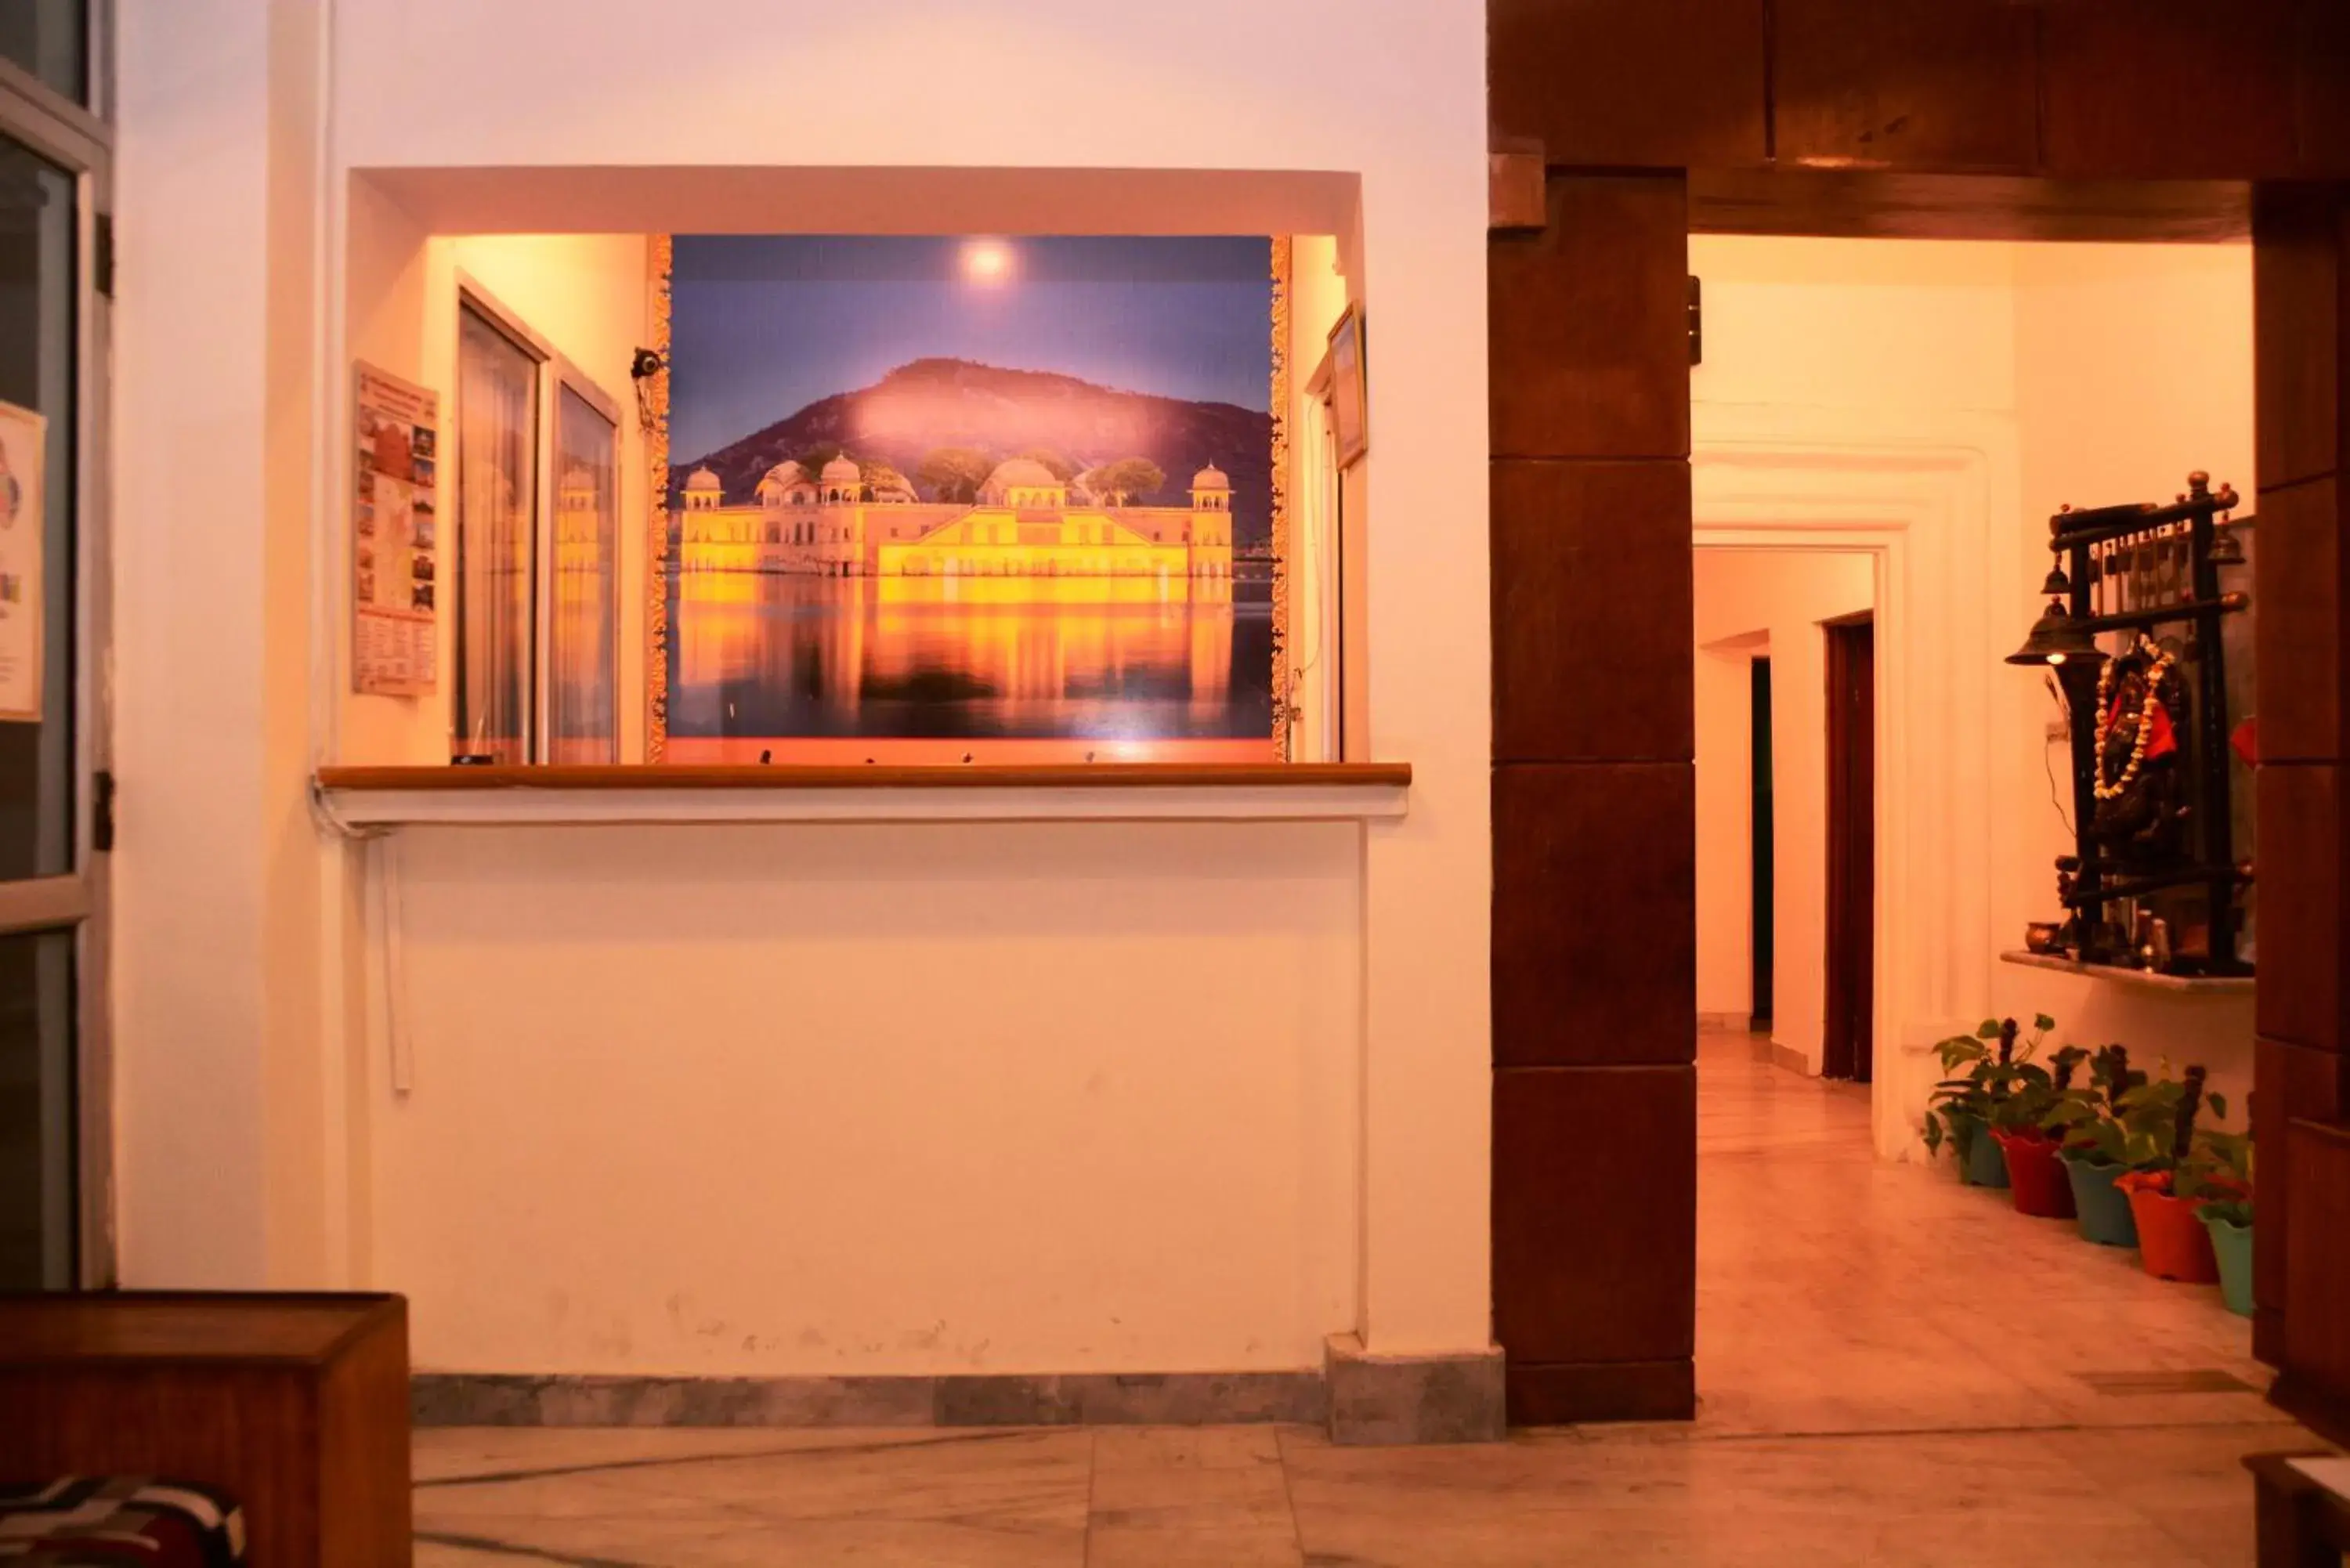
[
  {"x": 2172, "y": 1241},
  {"x": 2019, "y": 1123},
  {"x": 2097, "y": 1148},
  {"x": 1959, "y": 1111},
  {"x": 2225, "y": 1166}
]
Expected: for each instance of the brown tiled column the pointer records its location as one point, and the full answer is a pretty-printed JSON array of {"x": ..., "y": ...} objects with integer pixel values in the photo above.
[
  {"x": 2302, "y": 311},
  {"x": 1593, "y": 831}
]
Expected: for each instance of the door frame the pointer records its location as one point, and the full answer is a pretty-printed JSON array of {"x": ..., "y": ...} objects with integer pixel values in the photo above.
[
  {"x": 1907, "y": 492},
  {"x": 1762, "y": 848},
  {"x": 80, "y": 140},
  {"x": 1839, "y": 1057}
]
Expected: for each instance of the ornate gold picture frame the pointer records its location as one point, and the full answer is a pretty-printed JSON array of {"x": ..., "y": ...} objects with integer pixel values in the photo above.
[{"x": 1271, "y": 564}]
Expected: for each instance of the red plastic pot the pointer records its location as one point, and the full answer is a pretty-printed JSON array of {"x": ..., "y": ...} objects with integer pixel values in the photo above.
[
  {"x": 2036, "y": 1178},
  {"x": 2172, "y": 1242}
]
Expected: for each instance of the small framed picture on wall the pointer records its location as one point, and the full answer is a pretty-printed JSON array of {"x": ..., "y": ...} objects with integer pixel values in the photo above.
[{"x": 1348, "y": 407}]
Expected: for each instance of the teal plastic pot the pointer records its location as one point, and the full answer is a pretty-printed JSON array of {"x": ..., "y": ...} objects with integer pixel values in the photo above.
[
  {"x": 2233, "y": 1244},
  {"x": 1962, "y": 1139},
  {"x": 2103, "y": 1211},
  {"x": 1984, "y": 1164}
]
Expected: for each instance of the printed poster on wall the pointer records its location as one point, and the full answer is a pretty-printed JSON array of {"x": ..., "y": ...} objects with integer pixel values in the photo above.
[
  {"x": 24, "y": 437},
  {"x": 395, "y": 537}
]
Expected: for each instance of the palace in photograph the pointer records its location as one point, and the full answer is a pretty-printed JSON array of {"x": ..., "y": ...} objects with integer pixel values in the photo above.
[{"x": 1025, "y": 522}]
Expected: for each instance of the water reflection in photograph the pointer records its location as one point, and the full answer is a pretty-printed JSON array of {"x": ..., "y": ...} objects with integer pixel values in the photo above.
[{"x": 762, "y": 655}]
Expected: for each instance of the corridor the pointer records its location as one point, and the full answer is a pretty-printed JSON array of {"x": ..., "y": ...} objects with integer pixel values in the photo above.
[
  {"x": 1837, "y": 1295},
  {"x": 1892, "y": 1369}
]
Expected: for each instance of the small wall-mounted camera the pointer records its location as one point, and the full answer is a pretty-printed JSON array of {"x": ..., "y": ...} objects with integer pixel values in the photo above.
[{"x": 642, "y": 368}]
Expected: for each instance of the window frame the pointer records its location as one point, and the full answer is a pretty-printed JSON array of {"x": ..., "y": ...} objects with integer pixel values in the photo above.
[
  {"x": 92, "y": 114},
  {"x": 472, "y": 299},
  {"x": 560, "y": 374},
  {"x": 553, "y": 373}
]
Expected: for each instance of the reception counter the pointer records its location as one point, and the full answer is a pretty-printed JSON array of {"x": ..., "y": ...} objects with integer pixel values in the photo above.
[{"x": 376, "y": 798}]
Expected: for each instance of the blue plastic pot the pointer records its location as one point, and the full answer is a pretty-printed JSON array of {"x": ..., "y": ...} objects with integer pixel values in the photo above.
[
  {"x": 1982, "y": 1164},
  {"x": 1964, "y": 1131},
  {"x": 2103, "y": 1211},
  {"x": 2233, "y": 1244}
]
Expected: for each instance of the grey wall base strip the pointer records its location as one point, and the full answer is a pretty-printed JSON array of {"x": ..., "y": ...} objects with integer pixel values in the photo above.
[
  {"x": 1403, "y": 1400},
  {"x": 1173, "y": 1399}
]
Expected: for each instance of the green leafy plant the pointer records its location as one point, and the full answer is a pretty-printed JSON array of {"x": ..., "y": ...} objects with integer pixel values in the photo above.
[
  {"x": 2230, "y": 1211},
  {"x": 2034, "y": 1093},
  {"x": 2148, "y": 1126},
  {"x": 2085, "y": 1118},
  {"x": 1960, "y": 1102},
  {"x": 1988, "y": 1080},
  {"x": 2218, "y": 1167}
]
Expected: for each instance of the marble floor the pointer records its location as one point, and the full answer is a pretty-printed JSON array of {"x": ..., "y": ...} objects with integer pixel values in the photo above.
[{"x": 1892, "y": 1369}]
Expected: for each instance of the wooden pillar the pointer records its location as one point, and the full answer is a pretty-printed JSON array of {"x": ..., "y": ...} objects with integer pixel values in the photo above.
[
  {"x": 2302, "y": 310},
  {"x": 1595, "y": 1155}
]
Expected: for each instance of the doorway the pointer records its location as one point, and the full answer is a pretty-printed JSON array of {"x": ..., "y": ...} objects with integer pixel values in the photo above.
[
  {"x": 1761, "y": 618},
  {"x": 1847, "y": 1036},
  {"x": 1937, "y": 831}
]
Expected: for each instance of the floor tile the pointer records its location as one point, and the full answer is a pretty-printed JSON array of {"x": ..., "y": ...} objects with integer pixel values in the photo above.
[
  {"x": 1890, "y": 1372},
  {"x": 992, "y": 1499}
]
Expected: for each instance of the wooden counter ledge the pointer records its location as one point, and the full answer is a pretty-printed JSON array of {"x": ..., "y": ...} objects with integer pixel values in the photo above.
[
  {"x": 871, "y": 776},
  {"x": 363, "y": 798}
]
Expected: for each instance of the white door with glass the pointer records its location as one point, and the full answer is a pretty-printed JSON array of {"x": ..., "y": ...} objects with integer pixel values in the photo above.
[{"x": 56, "y": 793}]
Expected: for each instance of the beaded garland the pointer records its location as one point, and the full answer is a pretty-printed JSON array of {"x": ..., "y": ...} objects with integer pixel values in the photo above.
[
  {"x": 660, "y": 258},
  {"x": 2108, "y": 719}
]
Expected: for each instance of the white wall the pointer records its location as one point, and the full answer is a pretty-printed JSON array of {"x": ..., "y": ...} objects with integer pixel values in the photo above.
[
  {"x": 1770, "y": 601},
  {"x": 1923, "y": 326},
  {"x": 1992, "y": 382},
  {"x": 2135, "y": 367},
  {"x": 222, "y": 1080},
  {"x": 1169, "y": 1003},
  {"x": 1317, "y": 297},
  {"x": 918, "y": 1099}
]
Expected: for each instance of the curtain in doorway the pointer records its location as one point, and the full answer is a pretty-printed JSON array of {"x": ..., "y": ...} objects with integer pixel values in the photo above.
[
  {"x": 582, "y": 707},
  {"x": 497, "y": 418}
]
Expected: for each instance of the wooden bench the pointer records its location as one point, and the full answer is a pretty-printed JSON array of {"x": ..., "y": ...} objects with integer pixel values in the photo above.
[
  {"x": 294, "y": 1404},
  {"x": 2302, "y": 1503}
]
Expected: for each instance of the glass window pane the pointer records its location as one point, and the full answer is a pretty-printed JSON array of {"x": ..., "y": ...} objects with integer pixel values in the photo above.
[
  {"x": 38, "y": 308},
  {"x": 50, "y": 39},
  {"x": 497, "y": 480},
  {"x": 587, "y": 544},
  {"x": 37, "y": 1198}
]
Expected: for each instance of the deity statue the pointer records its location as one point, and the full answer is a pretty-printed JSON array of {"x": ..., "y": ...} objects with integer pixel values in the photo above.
[{"x": 2141, "y": 813}]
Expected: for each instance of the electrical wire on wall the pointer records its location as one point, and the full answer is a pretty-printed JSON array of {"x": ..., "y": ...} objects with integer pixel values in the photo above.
[
  {"x": 384, "y": 971},
  {"x": 2055, "y": 795}
]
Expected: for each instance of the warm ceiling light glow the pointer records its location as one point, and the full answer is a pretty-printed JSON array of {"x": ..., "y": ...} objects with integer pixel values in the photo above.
[{"x": 987, "y": 260}]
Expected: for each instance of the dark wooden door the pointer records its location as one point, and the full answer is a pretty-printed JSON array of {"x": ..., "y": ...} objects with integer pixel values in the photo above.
[
  {"x": 1848, "y": 1046},
  {"x": 1762, "y": 825}
]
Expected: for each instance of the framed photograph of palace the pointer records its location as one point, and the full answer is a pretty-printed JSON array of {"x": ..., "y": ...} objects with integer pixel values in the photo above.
[{"x": 957, "y": 498}]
